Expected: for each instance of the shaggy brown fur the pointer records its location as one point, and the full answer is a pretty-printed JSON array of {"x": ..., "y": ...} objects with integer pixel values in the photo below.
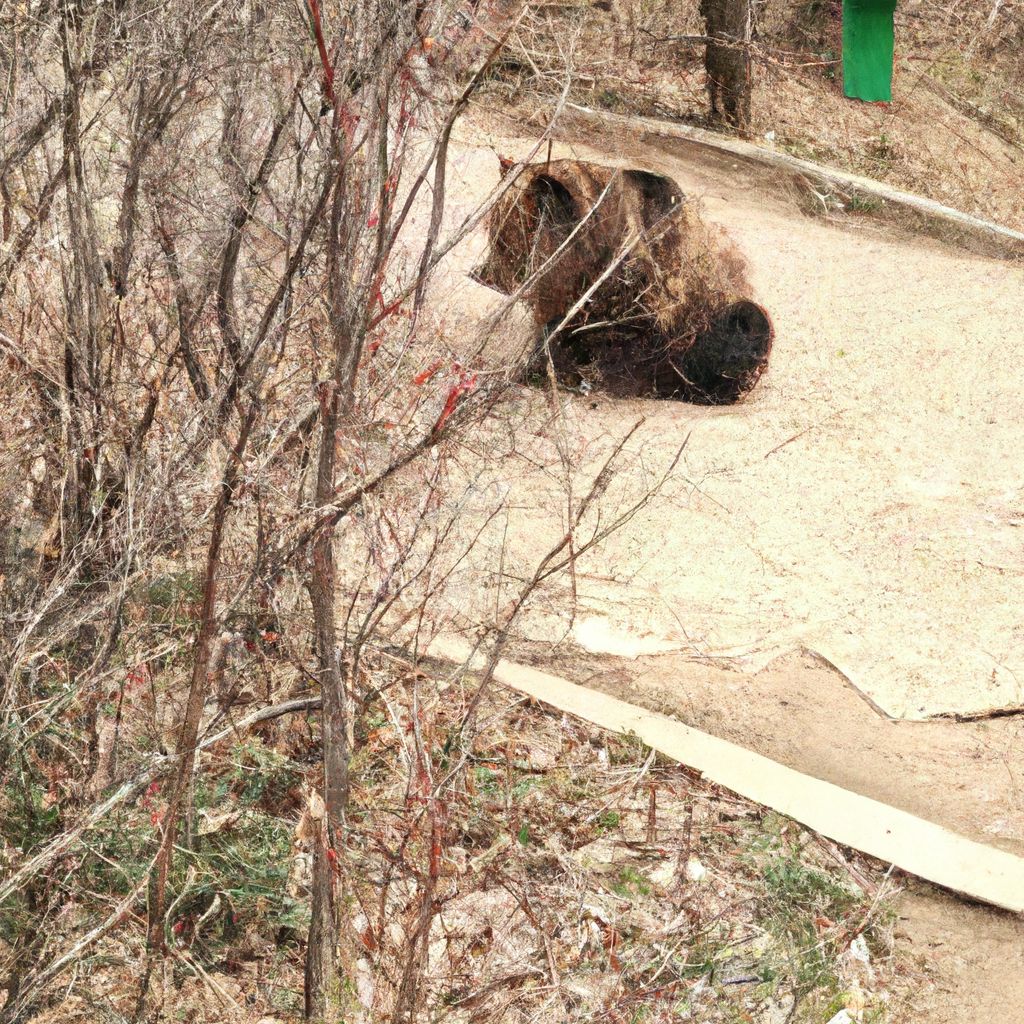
[{"x": 669, "y": 320}]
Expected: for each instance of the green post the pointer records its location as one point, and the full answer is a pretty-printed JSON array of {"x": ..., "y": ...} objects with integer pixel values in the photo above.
[{"x": 868, "y": 49}]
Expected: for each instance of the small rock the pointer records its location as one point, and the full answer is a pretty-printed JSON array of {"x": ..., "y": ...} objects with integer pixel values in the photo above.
[
  {"x": 845, "y": 1017},
  {"x": 595, "y": 913},
  {"x": 695, "y": 871},
  {"x": 595, "y": 990},
  {"x": 664, "y": 874},
  {"x": 779, "y": 1011},
  {"x": 639, "y": 923},
  {"x": 596, "y": 855},
  {"x": 859, "y": 950}
]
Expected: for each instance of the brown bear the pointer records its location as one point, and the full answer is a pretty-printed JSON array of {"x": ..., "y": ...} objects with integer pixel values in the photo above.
[{"x": 635, "y": 292}]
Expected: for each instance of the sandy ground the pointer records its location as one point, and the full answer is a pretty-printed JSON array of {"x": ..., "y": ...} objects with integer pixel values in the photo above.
[
  {"x": 841, "y": 556},
  {"x": 971, "y": 958},
  {"x": 865, "y": 503}
]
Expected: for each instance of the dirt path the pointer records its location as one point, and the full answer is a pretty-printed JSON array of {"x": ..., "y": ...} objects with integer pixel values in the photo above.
[
  {"x": 967, "y": 775},
  {"x": 972, "y": 960},
  {"x": 865, "y": 505}
]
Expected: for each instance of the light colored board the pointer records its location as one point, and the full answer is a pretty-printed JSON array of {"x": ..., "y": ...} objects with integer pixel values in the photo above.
[
  {"x": 919, "y": 847},
  {"x": 1006, "y": 241}
]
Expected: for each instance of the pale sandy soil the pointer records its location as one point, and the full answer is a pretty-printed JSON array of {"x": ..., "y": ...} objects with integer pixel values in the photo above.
[
  {"x": 865, "y": 503},
  {"x": 863, "y": 511}
]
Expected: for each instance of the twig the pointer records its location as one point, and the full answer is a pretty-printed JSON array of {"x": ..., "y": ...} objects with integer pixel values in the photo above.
[{"x": 790, "y": 440}]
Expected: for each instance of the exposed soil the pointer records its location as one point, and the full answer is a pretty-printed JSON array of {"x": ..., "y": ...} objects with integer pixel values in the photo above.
[
  {"x": 909, "y": 441},
  {"x": 864, "y": 502},
  {"x": 968, "y": 776},
  {"x": 976, "y": 957}
]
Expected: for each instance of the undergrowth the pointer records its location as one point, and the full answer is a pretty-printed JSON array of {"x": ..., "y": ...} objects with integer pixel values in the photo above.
[
  {"x": 572, "y": 875},
  {"x": 954, "y": 131}
]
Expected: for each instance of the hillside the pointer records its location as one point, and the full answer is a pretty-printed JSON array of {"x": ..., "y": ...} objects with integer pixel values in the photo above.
[{"x": 954, "y": 132}]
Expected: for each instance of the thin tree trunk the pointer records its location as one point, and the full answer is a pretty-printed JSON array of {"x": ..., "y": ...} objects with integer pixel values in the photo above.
[
  {"x": 199, "y": 687},
  {"x": 322, "y": 584},
  {"x": 322, "y": 947},
  {"x": 728, "y": 62},
  {"x": 322, "y": 954}
]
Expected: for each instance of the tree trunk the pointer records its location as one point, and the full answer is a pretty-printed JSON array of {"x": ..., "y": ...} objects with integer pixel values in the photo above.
[
  {"x": 728, "y": 62},
  {"x": 323, "y": 953},
  {"x": 199, "y": 689},
  {"x": 322, "y": 950}
]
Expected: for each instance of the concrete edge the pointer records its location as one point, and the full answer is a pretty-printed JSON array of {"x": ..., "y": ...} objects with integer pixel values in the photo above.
[
  {"x": 964, "y": 227},
  {"x": 915, "y": 845}
]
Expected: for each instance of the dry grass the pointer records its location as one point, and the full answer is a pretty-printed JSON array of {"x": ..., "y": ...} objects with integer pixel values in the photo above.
[{"x": 569, "y": 875}]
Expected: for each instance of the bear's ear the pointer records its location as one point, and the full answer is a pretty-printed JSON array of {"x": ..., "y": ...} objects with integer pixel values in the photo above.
[{"x": 505, "y": 163}]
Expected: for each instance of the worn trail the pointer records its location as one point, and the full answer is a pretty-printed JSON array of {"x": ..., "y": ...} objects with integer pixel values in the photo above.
[{"x": 844, "y": 555}]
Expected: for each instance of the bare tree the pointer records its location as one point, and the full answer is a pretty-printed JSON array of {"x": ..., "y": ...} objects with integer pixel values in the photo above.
[
  {"x": 727, "y": 60},
  {"x": 212, "y": 304}
]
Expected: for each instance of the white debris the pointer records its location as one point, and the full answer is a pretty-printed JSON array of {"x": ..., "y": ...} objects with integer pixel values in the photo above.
[
  {"x": 845, "y": 1017},
  {"x": 859, "y": 950},
  {"x": 664, "y": 874},
  {"x": 695, "y": 871}
]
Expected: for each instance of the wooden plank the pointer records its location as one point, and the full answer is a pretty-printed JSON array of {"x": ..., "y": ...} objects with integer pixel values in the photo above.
[
  {"x": 913, "y": 844},
  {"x": 1005, "y": 241}
]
